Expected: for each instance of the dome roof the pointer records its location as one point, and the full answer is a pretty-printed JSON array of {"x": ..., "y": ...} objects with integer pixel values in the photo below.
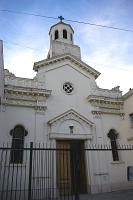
[{"x": 59, "y": 24}]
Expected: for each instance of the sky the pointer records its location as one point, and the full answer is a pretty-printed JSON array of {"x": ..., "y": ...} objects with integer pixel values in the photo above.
[{"x": 108, "y": 51}]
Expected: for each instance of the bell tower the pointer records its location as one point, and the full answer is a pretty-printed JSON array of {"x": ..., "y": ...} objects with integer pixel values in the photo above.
[{"x": 62, "y": 40}]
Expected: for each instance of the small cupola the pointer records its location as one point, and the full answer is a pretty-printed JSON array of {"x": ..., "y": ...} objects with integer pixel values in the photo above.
[
  {"x": 61, "y": 40},
  {"x": 62, "y": 32}
]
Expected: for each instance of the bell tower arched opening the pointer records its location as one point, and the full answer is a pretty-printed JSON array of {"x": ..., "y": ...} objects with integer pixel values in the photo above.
[
  {"x": 64, "y": 33},
  {"x": 56, "y": 34}
]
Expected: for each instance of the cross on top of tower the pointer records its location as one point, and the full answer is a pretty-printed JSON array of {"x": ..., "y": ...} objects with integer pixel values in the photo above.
[{"x": 61, "y": 18}]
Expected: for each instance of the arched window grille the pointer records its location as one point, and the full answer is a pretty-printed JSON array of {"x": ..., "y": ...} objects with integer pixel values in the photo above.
[
  {"x": 113, "y": 135},
  {"x": 18, "y": 134},
  {"x": 65, "y": 33},
  {"x": 56, "y": 34}
]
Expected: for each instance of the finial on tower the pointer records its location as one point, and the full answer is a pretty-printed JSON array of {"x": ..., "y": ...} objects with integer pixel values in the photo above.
[{"x": 61, "y": 18}]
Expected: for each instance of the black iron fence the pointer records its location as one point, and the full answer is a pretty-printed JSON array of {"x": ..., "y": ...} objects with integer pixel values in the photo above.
[
  {"x": 47, "y": 172},
  {"x": 33, "y": 178}
]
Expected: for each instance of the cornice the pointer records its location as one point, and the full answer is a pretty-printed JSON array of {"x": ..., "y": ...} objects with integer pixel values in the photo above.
[
  {"x": 128, "y": 94},
  {"x": 26, "y": 97},
  {"x": 9, "y": 74},
  {"x": 98, "y": 113},
  {"x": 69, "y": 57},
  {"x": 102, "y": 100},
  {"x": 24, "y": 103},
  {"x": 70, "y": 136},
  {"x": 106, "y": 105},
  {"x": 17, "y": 90}
]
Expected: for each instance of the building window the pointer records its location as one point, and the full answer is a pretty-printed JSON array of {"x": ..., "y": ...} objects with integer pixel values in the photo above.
[
  {"x": 71, "y": 37},
  {"x": 64, "y": 33},
  {"x": 131, "y": 119},
  {"x": 56, "y": 34},
  {"x": 113, "y": 135},
  {"x": 68, "y": 87},
  {"x": 18, "y": 134}
]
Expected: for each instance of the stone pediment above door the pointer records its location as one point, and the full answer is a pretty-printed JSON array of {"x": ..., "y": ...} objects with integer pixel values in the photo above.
[{"x": 71, "y": 125}]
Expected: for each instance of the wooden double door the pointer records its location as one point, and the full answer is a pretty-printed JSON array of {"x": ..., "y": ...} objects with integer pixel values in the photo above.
[{"x": 71, "y": 169}]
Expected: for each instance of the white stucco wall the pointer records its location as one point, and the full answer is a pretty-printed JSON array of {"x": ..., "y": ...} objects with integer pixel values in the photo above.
[
  {"x": 59, "y": 101},
  {"x": 17, "y": 116}
]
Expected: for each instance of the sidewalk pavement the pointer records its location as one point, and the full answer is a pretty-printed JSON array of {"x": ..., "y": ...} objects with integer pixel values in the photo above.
[{"x": 119, "y": 195}]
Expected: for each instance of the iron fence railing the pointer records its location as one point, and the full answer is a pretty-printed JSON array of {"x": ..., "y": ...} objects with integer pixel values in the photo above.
[{"x": 47, "y": 171}]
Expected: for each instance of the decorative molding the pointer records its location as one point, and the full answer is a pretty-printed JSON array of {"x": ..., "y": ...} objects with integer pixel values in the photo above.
[
  {"x": 122, "y": 115},
  {"x": 96, "y": 114},
  {"x": 26, "y": 97},
  {"x": 107, "y": 104},
  {"x": 9, "y": 74},
  {"x": 17, "y": 90},
  {"x": 64, "y": 57},
  {"x": 104, "y": 101},
  {"x": 71, "y": 114},
  {"x": 70, "y": 136},
  {"x": 23, "y": 103},
  {"x": 17, "y": 102},
  {"x": 128, "y": 94},
  {"x": 40, "y": 108},
  {"x": 112, "y": 111}
]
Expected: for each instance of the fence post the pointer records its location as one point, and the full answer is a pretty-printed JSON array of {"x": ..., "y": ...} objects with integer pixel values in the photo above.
[{"x": 30, "y": 171}]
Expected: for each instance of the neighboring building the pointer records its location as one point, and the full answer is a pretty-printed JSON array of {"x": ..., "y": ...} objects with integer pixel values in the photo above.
[
  {"x": 63, "y": 103},
  {"x": 1, "y": 75},
  {"x": 127, "y": 126}
]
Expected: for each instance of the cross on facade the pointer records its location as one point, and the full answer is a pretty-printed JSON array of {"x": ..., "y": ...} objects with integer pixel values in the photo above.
[{"x": 61, "y": 18}]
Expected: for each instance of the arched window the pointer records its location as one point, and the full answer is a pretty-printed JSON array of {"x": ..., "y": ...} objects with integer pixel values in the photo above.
[
  {"x": 113, "y": 135},
  {"x": 18, "y": 134},
  {"x": 71, "y": 37},
  {"x": 64, "y": 33},
  {"x": 56, "y": 34}
]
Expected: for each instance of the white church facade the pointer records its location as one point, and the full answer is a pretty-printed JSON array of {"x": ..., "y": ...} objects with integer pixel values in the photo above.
[{"x": 63, "y": 104}]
